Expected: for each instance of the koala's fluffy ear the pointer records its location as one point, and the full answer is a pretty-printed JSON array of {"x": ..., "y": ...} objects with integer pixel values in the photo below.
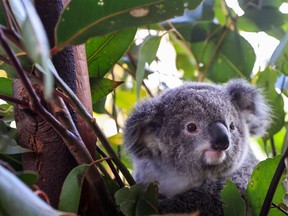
[
  {"x": 249, "y": 101},
  {"x": 143, "y": 122}
]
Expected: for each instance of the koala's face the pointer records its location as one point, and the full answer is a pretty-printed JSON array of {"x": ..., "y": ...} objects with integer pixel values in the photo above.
[
  {"x": 197, "y": 130},
  {"x": 201, "y": 131}
]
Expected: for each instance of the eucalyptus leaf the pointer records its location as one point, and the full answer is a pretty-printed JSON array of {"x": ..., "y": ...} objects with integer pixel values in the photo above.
[
  {"x": 127, "y": 198},
  {"x": 103, "y": 52},
  {"x": 6, "y": 86},
  {"x": 148, "y": 202},
  {"x": 101, "y": 87},
  {"x": 102, "y": 17},
  {"x": 28, "y": 177},
  {"x": 147, "y": 54},
  {"x": 259, "y": 184},
  {"x": 71, "y": 189},
  {"x": 233, "y": 203},
  {"x": 222, "y": 54}
]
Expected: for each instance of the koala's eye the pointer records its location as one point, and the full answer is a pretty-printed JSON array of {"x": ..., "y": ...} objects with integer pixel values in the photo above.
[
  {"x": 232, "y": 126},
  {"x": 191, "y": 127}
]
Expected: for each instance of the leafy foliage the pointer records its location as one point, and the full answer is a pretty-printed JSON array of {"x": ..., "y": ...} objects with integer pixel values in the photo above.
[
  {"x": 137, "y": 201},
  {"x": 233, "y": 203}
]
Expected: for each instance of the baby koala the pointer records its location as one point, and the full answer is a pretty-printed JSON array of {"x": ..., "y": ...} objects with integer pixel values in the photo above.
[{"x": 191, "y": 138}]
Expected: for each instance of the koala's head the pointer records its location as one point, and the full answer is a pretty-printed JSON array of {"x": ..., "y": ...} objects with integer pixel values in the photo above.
[{"x": 198, "y": 129}]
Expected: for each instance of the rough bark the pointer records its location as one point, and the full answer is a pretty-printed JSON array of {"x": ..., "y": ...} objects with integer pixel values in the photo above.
[{"x": 51, "y": 158}]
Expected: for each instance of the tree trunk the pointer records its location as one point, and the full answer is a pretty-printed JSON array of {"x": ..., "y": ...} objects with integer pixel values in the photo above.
[{"x": 51, "y": 158}]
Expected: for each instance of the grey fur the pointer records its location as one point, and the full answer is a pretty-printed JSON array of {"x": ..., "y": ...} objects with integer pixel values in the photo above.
[{"x": 191, "y": 166}]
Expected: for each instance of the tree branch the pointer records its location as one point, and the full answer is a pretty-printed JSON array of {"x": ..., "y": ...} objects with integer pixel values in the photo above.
[
  {"x": 14, "y": 100},
  {"x": 93, "y": 124}
]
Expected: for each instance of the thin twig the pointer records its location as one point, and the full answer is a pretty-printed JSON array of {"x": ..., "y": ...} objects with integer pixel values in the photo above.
[
  {"x": 93, "y": 124},
  {"x": 274, "y": 151},
  {"x": 14, "y": 100},
  {"x": 279, "y": 208},
  {"x": 99, "y": 150},
  {"x": 73, "y": 141}
]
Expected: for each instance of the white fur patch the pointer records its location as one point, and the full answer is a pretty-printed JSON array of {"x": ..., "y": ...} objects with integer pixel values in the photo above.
[{"x": 213, "y": 157}]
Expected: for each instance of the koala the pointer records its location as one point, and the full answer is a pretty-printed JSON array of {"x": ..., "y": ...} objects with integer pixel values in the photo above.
[{"x": 191, "y": 138}]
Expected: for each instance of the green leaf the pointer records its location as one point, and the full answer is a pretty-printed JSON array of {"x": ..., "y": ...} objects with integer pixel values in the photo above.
[
  {"x": 116, "y": 142},
  {"x": 147, "y": 54},
  {"x": 125, "y": 100},
  {"x": 127, "y": 198},
  {"x": 184, "y": 59},
  {"x": 102, "y": 17},
  {"x": 266, "y": 18},
  {"x": 266, "y": 81},
  {"x": 101, "y": 87},
  {"x": 8, "y": 144},
  {"x": 71, "y": 189},
  {"x": 148, "y": 202},
  {"x": 233, "y": 203},
  {"x": 34, "y": 38},
  {"x": 28, "y": 177},
  {"x": 137, "y": 201},
  {"x": 6, "y": 86},
  {"x": 17, "y": 199},
  {"x": 214, "y": 49},
  {"x": 259, "y": 184},
  {"x": 103, "y": 52},
  {"x": 2, "y": 16},
  {"x": 279, "y": 57}
]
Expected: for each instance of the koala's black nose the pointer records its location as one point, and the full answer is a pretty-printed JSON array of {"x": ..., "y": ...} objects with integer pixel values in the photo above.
[{"x": 219, "y": 136}]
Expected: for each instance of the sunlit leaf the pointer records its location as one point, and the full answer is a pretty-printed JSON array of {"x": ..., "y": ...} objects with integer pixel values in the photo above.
[
  {"x": 103, "y": 52},
  {"x": 102, "y": 17},
  {"x": 6, "y": 86},
  {"x": 25, "y": 202},
  {"x": 101, "y": 87},
  {"x": 116, "y": 139},
  {"x": 259, "y": 184},
  {"x": 147, "y": 54},
  {"x": 71, "y": 189},
  {"x": 125, "y": 100}
]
